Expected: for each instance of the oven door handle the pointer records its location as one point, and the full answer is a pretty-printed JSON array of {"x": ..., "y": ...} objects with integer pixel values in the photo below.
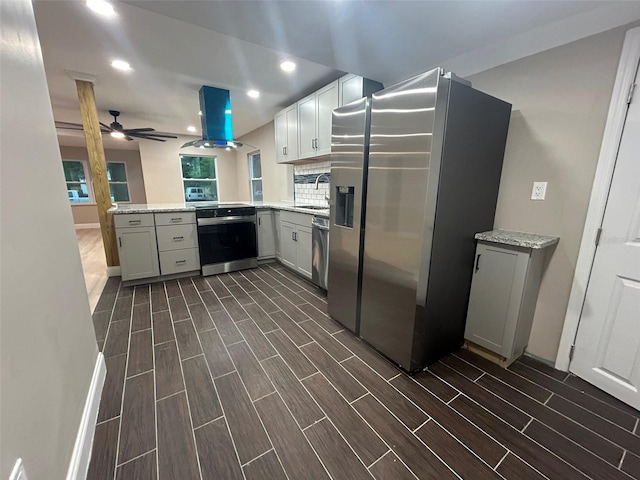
[{"x": 222, "y": 220}]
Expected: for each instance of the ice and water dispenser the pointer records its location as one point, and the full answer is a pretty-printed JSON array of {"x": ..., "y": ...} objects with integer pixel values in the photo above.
[{"x": 344, "y": 206}]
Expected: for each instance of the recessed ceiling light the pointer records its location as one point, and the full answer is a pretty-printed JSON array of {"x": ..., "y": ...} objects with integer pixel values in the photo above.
[
  {"x": 101, "y": 7},
  {"x": 253, "y": 93},
  {"x": 117, "y": 134},
  {"x": 191, "y": 128},
  {"x": 121, "y": 65},
  {"x": 288, "y": 66}
]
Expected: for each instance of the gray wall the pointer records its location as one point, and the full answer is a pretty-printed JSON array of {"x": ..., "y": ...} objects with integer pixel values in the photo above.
[
  {"x": 48, "y": 348},
  {"x": 560, "y": 101},
  {"x": 89, "y": 213}
]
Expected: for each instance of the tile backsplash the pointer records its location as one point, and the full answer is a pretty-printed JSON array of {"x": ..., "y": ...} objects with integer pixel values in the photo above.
[{"x": 304, "y": 179}]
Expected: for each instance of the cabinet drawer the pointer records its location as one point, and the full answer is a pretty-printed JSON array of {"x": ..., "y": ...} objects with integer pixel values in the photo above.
[
  {"x": 296, "y": 218},
  {"x": 177, "y": 261},
  {"x": 129, "y": 220},
  {"x": 175, "y": 218},
  {"x": 176, "y": 237}
]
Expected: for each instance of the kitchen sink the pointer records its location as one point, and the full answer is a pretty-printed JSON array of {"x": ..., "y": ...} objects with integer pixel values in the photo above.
[{"x": 312, "y": 207}]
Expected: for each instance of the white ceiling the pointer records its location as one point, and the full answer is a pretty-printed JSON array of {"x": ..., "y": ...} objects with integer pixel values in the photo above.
[{"x": 177, "y": 46}]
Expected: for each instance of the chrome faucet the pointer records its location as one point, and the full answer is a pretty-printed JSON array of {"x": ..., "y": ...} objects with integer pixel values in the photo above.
[{"x": 319, "y": 177}]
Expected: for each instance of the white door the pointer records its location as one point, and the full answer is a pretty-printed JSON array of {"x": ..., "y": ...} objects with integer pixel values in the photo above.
[
  {"x": 292, "y": 133},
  {"x": 327, "y": 102},
  {"x": 307, "y": 126},
  {"x": 266, "y": 235},
  {"x": 607, "y": 347},
  {"x": 288, "y": 244},
  {"x": 138, "y": 253},
  {"x": 304, "y": 250},
  {"x": 281, "y": 136}
]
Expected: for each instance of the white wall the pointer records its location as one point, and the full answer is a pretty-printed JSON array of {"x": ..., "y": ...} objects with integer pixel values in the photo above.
[
  {"x": 560, "y": 100},
  {"x": 48, "y": 348},
  {"x": 163, "y": 175},
  {"x": 277, "y": 179}
]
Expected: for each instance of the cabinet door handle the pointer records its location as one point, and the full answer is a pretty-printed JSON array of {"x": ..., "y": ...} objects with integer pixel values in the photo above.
[
  {"x": 135, "y": 222},
  {"x": 259, "y": 221},
  {"x": 120, "y": 241},
  {"x": 178, "y": 239},
  {"x": 176, "y": 220},
  {"x": 180, "y": 262},
  {"x": 478, "y": 262}
]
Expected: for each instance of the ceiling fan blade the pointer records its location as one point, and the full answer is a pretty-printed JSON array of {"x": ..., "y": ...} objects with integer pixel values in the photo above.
[
  {"x": 69, "y": 125},
  {"x": 161, "y": 135},
  {"x": 145, "y": 137},
  {"x": 138, "y": 130},
  {"x": 107, "y": 127}
]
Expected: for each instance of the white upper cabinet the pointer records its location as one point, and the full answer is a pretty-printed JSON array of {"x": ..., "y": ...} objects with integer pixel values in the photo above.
[
  {"x": 303, "y": 130},
  {"x": 286, "y": 127},
  {"x": 314, "y": 121}
]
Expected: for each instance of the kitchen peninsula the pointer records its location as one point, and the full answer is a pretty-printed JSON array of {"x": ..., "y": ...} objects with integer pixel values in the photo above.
[{"x": 163, "y": 241}]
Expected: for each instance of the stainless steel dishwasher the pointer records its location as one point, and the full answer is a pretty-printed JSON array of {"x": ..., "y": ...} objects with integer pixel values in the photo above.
[{"x": 320, "y": 251}]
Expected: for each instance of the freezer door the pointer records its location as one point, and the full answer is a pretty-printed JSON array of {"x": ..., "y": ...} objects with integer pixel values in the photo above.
[
  {"x": 348, "y": 158},
  {"x": 401, "y": 146}
]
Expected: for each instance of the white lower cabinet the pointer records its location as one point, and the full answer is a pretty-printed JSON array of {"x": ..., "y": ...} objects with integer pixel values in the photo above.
[
  {"x": 177, "y": 243},
  {"x": 278, "y": 233},
  {"x": 303, "y": 250},
  {"x": 138, "y": 252},
  {"x": 295, "y": 242},
  {"x": 266, "y": 235}
]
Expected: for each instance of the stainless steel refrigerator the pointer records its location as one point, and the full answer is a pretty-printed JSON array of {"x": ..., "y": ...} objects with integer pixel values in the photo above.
[{"x": 415, "y": 171}]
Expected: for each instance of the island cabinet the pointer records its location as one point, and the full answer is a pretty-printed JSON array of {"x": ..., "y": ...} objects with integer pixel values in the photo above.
[
  {"x": 504, "y": 290},
  {"x": 137, "y": 248},
  {"x": 295, "y": 242},
  {"x": 266, "y": 234},
  {"x": 177, "y": 235}
]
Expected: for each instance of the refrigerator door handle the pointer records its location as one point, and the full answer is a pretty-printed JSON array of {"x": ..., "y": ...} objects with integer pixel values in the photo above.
[{"x": 478, "y": 262}]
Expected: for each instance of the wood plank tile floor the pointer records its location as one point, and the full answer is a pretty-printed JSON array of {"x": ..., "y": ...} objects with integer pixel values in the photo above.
[{"x": 244, "y": 376}]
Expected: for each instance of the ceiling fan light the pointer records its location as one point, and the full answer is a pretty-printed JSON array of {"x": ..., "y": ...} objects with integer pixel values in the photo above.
[
  {"x": 119, "y": 135},
  {"x": 101, "y": 7}
]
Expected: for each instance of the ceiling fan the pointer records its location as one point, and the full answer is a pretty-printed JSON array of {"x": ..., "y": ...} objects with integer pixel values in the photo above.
[{"x": 116, "y": 130}]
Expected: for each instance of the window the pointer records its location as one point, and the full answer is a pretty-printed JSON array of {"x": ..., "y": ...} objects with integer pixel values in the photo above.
[
  {"x": 255, "y": 173},
  {"x": 75, "y": 174},
  {"x": 117, "y": 177},
  {"x": 199, "y": 178}
]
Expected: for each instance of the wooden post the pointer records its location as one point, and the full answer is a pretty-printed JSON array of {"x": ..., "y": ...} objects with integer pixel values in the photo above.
[{"x": 98, "y": 166}]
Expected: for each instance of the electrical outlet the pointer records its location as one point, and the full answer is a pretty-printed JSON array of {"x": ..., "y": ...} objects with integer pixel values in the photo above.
[
  {"x": 539, "y": 190},
  {"x": 18, "y": 472}
]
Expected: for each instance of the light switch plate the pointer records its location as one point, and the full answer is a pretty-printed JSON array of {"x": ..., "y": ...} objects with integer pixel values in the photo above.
[
  {"x": 18, "y": 472},
  {"x": 539, "y": 190}
]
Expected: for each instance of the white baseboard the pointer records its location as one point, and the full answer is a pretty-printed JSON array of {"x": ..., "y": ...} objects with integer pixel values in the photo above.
[
  {"x": 82, "y": 226},
  {"x": 79, "y": 464},
  {"x": 113, "y": 271}
]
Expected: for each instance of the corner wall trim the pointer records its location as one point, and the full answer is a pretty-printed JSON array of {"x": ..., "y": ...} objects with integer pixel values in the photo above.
[
  {"x": 626, "y": 74},
  {"x": 113, "y": 271},
  {"x": 79, "y": 464}
]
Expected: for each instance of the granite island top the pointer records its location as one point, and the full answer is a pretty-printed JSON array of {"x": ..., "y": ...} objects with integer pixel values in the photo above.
[
  {"x": 519, "y": 239},
  {"x": 189, "y": 207}
]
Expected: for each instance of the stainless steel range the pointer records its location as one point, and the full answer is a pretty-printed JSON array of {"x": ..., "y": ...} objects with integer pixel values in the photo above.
[{"x": 227, "y": 237}]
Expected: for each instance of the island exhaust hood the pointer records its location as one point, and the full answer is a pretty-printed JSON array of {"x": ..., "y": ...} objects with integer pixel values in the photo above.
[{"x": 217, "y": 129}]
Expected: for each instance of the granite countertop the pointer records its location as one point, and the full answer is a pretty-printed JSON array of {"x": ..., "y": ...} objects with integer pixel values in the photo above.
[
  {"x": 519, "y": 239},
  {"x": 188, "y": 207}
]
